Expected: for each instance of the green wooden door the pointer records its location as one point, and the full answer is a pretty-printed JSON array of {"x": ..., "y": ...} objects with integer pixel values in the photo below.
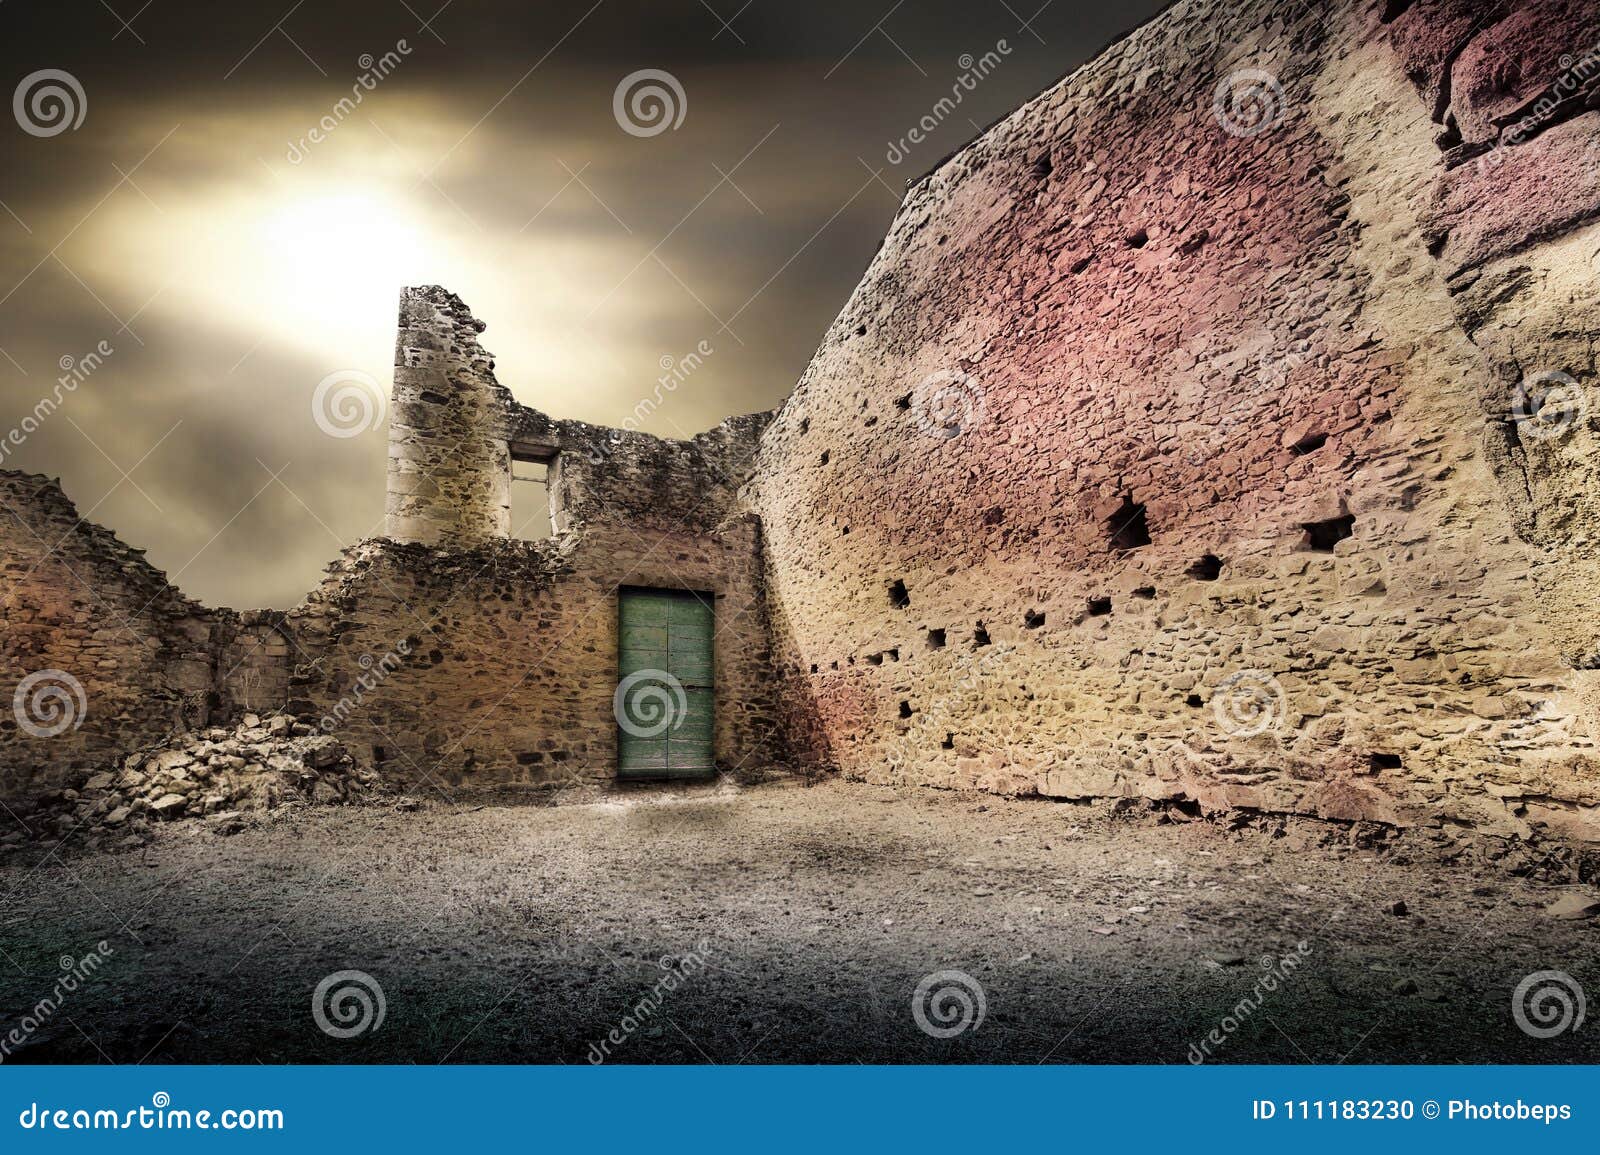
[{"x": 664, "y": 700}]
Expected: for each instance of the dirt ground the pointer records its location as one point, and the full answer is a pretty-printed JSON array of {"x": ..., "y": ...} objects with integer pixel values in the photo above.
[{"x": 796, "y": 923}]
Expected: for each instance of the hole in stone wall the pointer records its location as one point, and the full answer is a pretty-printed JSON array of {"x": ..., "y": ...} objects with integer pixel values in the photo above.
[
  {"x": 379, "y": 756},
  {"x": 936, "y": 639},
  {"x": 949, "y": 742},
  {"x": 1207, "y": 569},
  {"x": 1310, "y": 443},
  {"x": 1137, "y": 239},
  {"x": 903, "y": 402},
  {"x": 1384, "y": 761},
  {"x": 1128, "y": 527},
  {"x": 1081, "y": 264},
  {"x": 899, "y": 596},
  {"x": 1032, "y": 620},
  {"x": 824, "y": 459},
  {"x": 1099, "y": 607},
  {"x": 835, "y": 665},
  {"x": 994, "y": 515},
  {"x": 980, "y": 636},
  {"x": 846, "y": 529},
  {"x": 861, "y": 330},
  {"x": 1042, "y": 168},
  {"x": 531, "y": 514},
  {"x": 531, "y": 758},
  {"x": 894, "y": 655},
  {"x": 805, "y": 425},
  {"x": 1193, "y": 700},
  {"x": 1322, "y": 536},
  {"x": 1145, "y": 592},
  {"x": 905, "y": 709},
  {"x": 813, "y": 667},
  {"x": 1394, "y": 9},
  {"x": 874, "y": 659}
]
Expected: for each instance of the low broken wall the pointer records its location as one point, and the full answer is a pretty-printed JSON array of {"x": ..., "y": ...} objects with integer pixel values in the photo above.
[{"x": 100, "y": 652}]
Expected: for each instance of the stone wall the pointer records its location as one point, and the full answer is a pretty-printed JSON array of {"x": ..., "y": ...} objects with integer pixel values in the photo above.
[
  {"x": 448, "y": 654},
  {"x": 1216, "y": 428},
  {"x": 1165, "y": 447},
  {"x": 509, "y": 655},
  {"x": 106, "y": 653}
]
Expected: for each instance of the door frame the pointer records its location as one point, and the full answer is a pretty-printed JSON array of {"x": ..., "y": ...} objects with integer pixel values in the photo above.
[{"x": 708, "y": 598}]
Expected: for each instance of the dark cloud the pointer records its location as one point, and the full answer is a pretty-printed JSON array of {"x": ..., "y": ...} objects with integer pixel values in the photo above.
[{"x": 230, "y": 279}]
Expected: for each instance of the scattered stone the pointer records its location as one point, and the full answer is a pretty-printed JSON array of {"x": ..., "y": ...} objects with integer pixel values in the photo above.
[
  {"x": 262, "y": 764},
  {"x": 1573, "y": 906},
  {"x": 1227, "y": 958}
]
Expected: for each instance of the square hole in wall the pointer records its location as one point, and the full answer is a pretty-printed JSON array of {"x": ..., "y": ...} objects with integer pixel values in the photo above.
[
  {"x": 531, "y": 518},
  {"x": 1127, "y": 526},
  {"x": 1322, "y": 536}
]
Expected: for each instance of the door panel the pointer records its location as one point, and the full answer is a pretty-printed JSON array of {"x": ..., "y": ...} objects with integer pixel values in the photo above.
[{"x": 666, "y": 700}]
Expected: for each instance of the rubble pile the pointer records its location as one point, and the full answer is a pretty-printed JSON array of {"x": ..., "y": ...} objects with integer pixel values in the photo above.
[{"x": 216, "y": 774}]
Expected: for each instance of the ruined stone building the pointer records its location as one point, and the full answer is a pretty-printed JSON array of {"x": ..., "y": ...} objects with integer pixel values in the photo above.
[{"x": 1216, "y": 428}]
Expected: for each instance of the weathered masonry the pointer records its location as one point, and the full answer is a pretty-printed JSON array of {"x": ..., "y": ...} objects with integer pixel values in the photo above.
[
  {"x": 1216, "y": 428},
  {"x": 448, "y": 652}
]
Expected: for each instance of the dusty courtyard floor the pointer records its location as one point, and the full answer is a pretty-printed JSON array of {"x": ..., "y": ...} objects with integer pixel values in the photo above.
[{"x": 521, "y": 933}]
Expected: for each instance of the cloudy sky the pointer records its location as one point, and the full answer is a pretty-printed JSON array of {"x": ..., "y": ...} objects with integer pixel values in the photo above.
[{"x": 230, "y": 262}]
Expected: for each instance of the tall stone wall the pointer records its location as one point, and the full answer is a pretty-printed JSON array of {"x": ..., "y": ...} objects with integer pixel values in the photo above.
[
  {"x": 449, "y": 467},
  {"x": 1165, "y": 447}
]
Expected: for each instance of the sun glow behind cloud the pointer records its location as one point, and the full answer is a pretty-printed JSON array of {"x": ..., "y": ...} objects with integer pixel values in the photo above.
[{"x": 309, "y": 260}]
